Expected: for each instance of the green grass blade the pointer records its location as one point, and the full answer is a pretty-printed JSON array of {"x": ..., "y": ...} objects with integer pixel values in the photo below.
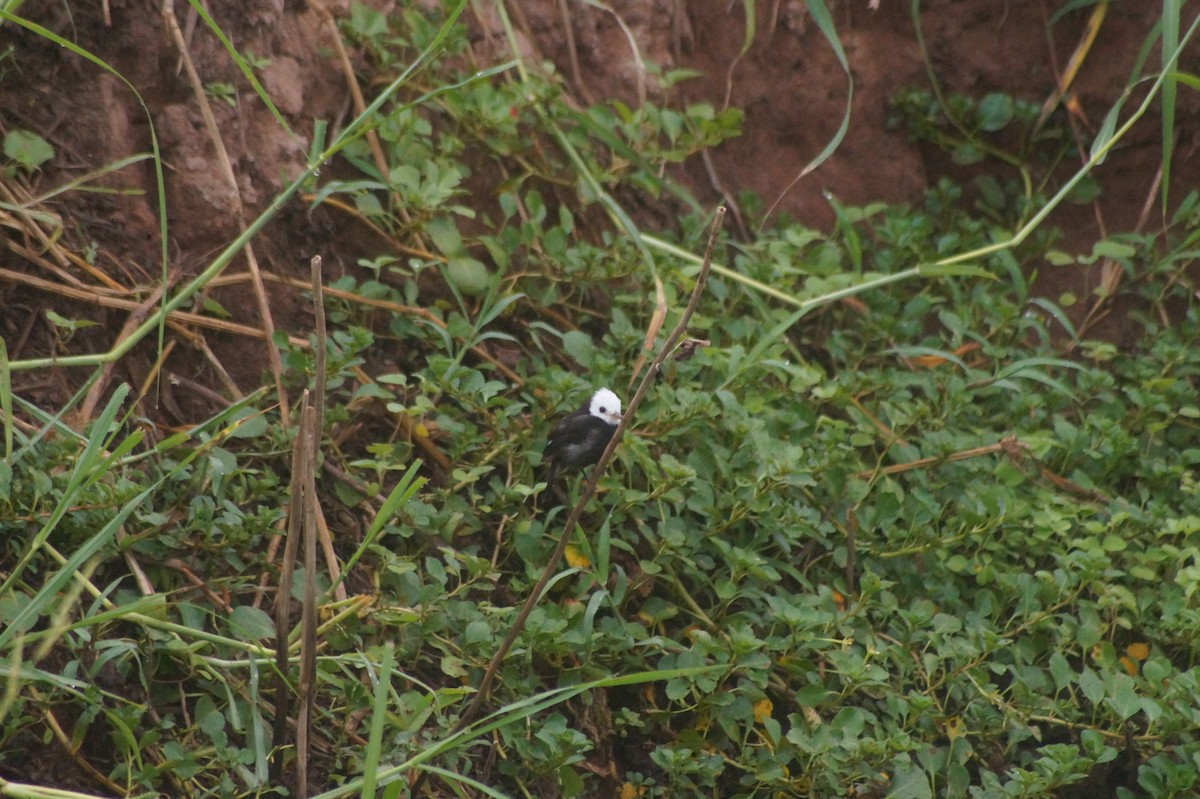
[
  {"x": 1170, "y": 44},
  {"x": 247, "y": 71},
  {"x": 373, "y": 753},
  {"x": 820, "y": 15}
]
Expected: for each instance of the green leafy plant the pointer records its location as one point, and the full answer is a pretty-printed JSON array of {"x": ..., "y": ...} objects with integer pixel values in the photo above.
[
  {"x": 221, "y": 90},
  {"x": 27, "y": 149},
  {"x": 894, "y": 528}
]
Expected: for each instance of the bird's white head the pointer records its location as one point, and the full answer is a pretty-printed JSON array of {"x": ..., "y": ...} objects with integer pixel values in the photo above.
[{"x": 607, "y": 406}]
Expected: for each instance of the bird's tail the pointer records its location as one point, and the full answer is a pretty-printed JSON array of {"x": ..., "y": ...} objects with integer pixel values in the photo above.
[{"x": 549, "y": 473}]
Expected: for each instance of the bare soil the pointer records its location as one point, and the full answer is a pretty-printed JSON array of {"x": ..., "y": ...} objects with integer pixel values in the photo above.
[{"x": 788, "y": 83}]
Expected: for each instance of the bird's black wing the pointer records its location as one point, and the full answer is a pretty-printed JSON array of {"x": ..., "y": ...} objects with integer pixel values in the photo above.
[
  {"x": 576, "y": 441},
  {"x": 565, "y": 425}
]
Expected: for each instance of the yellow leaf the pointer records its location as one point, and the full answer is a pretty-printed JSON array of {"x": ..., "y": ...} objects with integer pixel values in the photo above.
[
  {"x": 630, "y": 791},
  {"x": 575, "y": 558},
  {"x": 933, "y": 361},
  {"x": 1138, "y": 651},
  {"x": 762, "y": 710},
  {"x": 955, "y": 728},
  {"x": 1130, "y": 667}
]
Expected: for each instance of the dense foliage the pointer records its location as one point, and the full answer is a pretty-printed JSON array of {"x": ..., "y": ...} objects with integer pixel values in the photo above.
[{"x": 934, "y": 542}]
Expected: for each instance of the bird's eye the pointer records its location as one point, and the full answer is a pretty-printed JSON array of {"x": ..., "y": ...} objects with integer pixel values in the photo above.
[{"x": 603, "y": 409}]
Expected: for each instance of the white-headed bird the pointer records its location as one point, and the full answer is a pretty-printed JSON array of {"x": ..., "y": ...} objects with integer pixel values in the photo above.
[{"x": 579, "y": 438}]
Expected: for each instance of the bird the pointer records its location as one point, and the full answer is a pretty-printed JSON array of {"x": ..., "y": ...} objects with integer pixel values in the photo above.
[{"x": 580, "y": 437}]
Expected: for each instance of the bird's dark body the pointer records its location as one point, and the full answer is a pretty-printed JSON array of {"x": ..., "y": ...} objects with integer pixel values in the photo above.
[{"x": 579, "y": 438}]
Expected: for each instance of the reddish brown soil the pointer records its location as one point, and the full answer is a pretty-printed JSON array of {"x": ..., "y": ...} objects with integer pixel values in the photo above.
[{"x": 789, "y": 84}]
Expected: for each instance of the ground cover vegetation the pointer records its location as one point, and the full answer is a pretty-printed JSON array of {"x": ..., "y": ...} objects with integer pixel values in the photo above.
[{"x": 899, "y": 527}]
